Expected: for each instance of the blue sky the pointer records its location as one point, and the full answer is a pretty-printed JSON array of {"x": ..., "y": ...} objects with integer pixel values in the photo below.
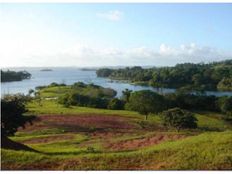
[{"x": 114, "y": 34}]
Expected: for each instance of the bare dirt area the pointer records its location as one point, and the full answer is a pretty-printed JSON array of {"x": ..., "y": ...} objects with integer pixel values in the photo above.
[
  {"x": 82, "y": 123},
  {"x": 86, "y": 121},
  {"x": 54, "y": 138},
  {"x": 143, "y": 142}
]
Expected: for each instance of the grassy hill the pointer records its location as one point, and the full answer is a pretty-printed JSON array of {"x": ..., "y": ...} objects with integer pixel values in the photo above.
[
  {"x": 205, "y": 151},
  {"x": 80, "y": 138},
  {"x": 83, "y": 138}
]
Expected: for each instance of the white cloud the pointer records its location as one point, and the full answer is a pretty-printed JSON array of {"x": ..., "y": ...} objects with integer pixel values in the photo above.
[
  {"x": 84, "y": 55},
  {"x": 91, "y": 55},
  {"x": 166, "y": 50},
  {"x": 113, "y": 15}
]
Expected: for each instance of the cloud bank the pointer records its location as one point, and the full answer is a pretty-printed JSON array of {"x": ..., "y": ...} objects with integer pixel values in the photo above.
[{"x": 83, "y": 55}]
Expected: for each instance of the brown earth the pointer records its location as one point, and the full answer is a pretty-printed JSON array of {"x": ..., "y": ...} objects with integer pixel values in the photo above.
[
  {"x": 81, "y": 123},
  {"x": 48, "y": 165}
]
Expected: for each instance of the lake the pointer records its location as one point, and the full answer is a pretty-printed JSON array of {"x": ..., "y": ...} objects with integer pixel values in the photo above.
[{"x": 72, "y": 75}]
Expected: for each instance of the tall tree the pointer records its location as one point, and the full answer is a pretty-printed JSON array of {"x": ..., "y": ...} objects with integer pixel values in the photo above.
[
  {"x": 145, "y": 102},
  {"x": 126, "y": 94}
]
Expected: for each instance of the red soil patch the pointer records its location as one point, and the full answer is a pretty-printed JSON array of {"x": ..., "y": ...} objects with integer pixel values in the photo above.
[
  {"x": 54, "y": 138},
  {"x": 81, "y": 123},
  {"x": 109, "y": 135},
  {"x": 49, "y": 165},
  {"x": 96, "y": 121},
  {"x": 143, "y": 142},
  {"x": 37, "y": 124}
]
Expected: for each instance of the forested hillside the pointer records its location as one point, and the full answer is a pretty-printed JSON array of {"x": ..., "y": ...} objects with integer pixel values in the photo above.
[{"x": 211, "y": 76}]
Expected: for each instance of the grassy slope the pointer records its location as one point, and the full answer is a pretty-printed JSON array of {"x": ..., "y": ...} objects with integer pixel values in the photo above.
[
  {"x": 210, "y": 121},
  {"x": 51, "y": 107},
  {"x": 210, "y": 150},
  {"x": 206, "y": 151}
]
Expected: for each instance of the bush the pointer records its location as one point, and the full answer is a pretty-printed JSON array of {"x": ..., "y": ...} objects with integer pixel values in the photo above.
[
  {"x": 178, "y": 119},
  {"x": 77, "y": 99},
  {"x": 116, "y": 104}
]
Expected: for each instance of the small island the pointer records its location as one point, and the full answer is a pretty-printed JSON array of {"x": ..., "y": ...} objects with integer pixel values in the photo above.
[
  {"x": 88, "y": 69},
  {"x": 10, "y": 76},
  {"x": 46, "y": 69}
]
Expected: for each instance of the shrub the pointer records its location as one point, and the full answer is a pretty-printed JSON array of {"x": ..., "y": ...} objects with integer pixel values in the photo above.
[
  {"x": 77, "y": 99},
  {"x": 116, "y": 104},
  {"x": 178, "y": 119}
]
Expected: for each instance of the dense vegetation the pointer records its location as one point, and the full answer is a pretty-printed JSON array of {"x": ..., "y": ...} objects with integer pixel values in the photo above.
[
  {"x": 188, "y": 76},
  {"x": 145, "y": 102},
  {"x": 12, "y": 110},
  {"x": 79, "y": 93},
  {"x": 9, "y": 76}
]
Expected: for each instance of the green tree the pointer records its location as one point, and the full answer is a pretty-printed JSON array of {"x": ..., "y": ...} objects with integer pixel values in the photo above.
[
  {"x": 145, "y": 102},
  {"x": 116, "y": 104},
  {"x": 225, "y": 84},
  {"x": 225, "y": 105},
  {"x": 126, "y": 94},
  {"x": 31, "y": 91},
  {"x": 12, "y": 110},
  {"x": 178, "y": 119}
]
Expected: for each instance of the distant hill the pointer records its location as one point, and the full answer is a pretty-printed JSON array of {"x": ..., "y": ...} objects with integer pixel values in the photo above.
[{"x": 46, "y": 69}]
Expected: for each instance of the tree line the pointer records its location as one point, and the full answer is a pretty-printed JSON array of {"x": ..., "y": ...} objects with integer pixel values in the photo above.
[
  {"x": 146, "y": 101},
  {"x": 9, "y": 76},
  {"x": 188, "y": 76}
]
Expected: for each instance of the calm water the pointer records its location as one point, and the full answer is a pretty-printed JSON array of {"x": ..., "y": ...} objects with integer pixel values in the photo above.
[{"x": 71, "y": 75}]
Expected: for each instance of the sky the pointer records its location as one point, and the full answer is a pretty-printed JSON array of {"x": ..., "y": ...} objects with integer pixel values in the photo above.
[{"x": 101, "y": 34}]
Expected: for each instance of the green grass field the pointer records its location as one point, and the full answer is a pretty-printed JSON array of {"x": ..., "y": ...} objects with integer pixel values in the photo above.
[{"x": 80, "y": 138}]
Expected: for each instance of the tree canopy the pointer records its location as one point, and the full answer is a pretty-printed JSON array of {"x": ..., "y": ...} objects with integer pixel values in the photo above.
[
  {"x": 12, "y": 110},
  {"x": 9, "y": 76},
  {"x": 145, "y": 102},
  {"x": 211, "y": 76},
  {"x": 178, "y": 119}
]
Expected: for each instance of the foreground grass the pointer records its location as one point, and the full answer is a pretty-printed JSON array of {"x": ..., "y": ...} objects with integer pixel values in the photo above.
[
  {"x": 206, "y": 151},
  {"x": 203, "y": 149}
]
